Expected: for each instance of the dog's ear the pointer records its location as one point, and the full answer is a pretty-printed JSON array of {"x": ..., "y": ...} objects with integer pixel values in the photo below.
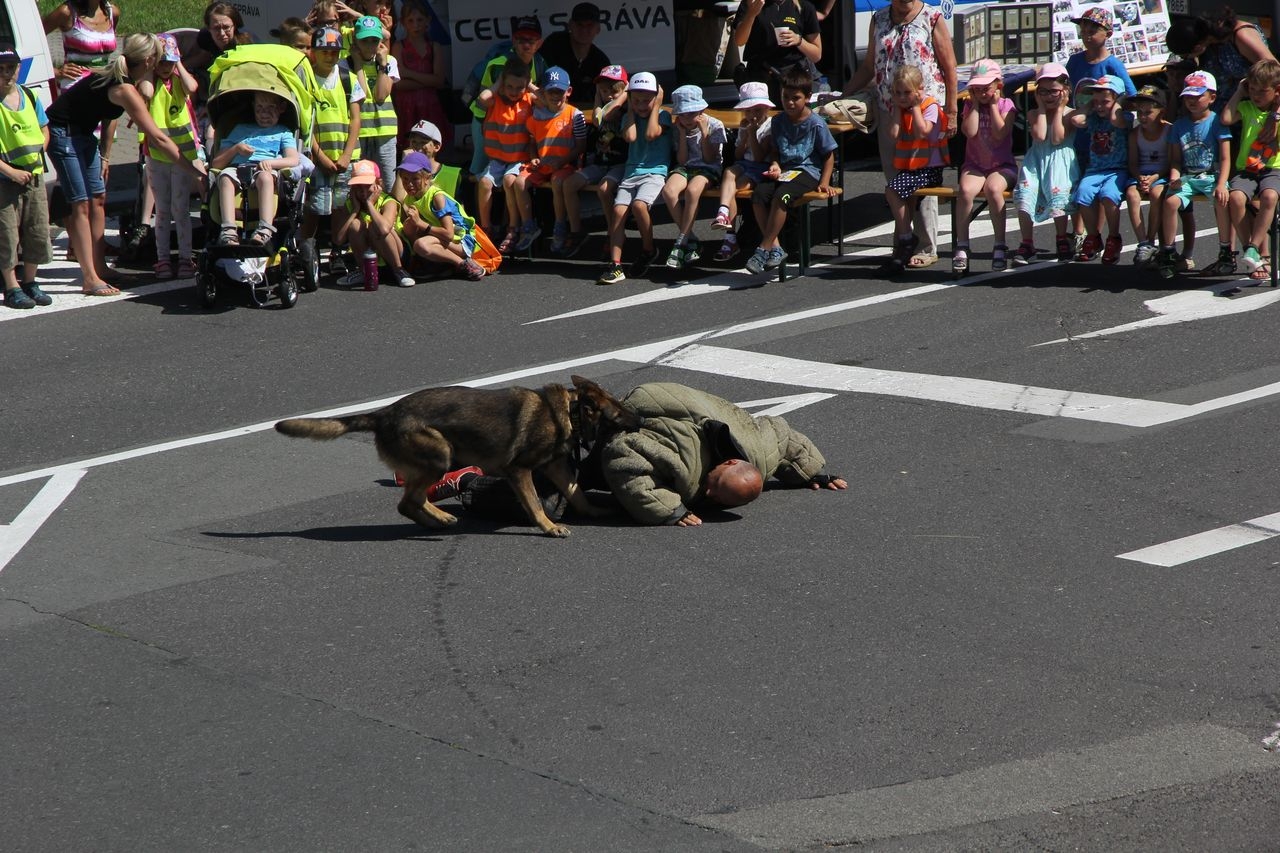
[{"x": 605, "y": 405}]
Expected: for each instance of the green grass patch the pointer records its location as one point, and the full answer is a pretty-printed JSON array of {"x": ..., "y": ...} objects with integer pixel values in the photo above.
[{"x": 150, "y": 16}]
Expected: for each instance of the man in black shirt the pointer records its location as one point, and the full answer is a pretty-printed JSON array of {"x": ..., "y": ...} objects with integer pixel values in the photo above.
[
  {"x": 574, "y": 51},
  {"x": 776, "y": 35}
]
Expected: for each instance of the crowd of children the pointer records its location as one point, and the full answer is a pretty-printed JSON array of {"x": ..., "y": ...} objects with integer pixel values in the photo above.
[{"x": 382, "y": 188}]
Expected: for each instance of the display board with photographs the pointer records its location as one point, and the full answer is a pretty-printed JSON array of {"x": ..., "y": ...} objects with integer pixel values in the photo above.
[{"x": 1137, "y": 37}]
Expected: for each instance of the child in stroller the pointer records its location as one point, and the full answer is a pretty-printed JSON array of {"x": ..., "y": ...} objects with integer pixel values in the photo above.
[{"x": 264, "y": 147}]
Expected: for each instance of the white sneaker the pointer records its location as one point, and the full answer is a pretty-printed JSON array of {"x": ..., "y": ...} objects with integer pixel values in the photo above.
[{"x": 404, "y": 279}]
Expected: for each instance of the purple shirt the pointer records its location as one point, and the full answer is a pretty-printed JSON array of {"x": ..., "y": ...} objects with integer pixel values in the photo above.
[{"x": 983, "y": 154}]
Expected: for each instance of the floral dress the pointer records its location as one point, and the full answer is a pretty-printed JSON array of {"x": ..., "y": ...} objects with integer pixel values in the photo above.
[
  {"x": 906, "y": 44},
  {"x": 1047, "y": 181},
  {"x": 414, "y": 105}
]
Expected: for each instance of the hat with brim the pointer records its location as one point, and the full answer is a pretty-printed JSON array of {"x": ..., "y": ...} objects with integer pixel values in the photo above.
[
  {"x": 171, "y": 52},
  {"x": 1052, "y": 71},
  {"x": 616, "y": 73},
  {"x": 588, "y": 12},
  {"x": 643, "y": 82},
  {"x": 367, "y": 27},
  {"x": 415, "y": 161},
  {"x": 1108, "y": 83},
  {"x": 753, "y": 94},
  {"x": 528, "y": 26},
  {"x": 687, "y": 99},
  {"x": 363, "y": 173},
  {"x": 1151, "y": 94},
  {"x": 9, "y": 56},
  {"x": 429, "y": 130},
  {"x": 1198, "y": 82},
  {"x": 1096, "y": 15},
  {"x": 984, "y": 71},
  {"x": 326, "y": 38}
]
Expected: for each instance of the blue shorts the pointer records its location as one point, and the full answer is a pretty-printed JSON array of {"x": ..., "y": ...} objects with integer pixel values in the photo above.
[
  {"x": 496, "y": 170},
  {"x": 1099, "y": 186},
  {"x": 750, "y": 171},
  {"x": 1192, "y": 185},
  {"x": 78, "y": 163},
  {"x": 327, "y": 193}
]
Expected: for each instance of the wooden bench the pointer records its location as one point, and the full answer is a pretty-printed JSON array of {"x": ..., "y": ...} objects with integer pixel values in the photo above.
[{"x": 948, "y": 194}]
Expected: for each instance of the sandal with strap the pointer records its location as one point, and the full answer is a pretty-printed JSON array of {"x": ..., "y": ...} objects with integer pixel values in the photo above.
[
  {"x": 229, "y": 236},
  {"x": 999, "y": 263},
  {"x": 263, "y": 235},
  {"x": 960, "y": 260}
]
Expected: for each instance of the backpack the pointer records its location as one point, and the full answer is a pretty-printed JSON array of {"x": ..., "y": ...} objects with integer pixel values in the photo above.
[{"x": 486, "y": 254}]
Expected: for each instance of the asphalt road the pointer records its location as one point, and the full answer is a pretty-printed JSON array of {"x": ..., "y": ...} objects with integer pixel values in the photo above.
[{"x": 217, "y": 638}]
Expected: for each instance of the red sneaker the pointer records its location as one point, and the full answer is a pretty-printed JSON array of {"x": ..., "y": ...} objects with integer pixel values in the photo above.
[
  {"x": 1111, "y": 253},
  {"x": 450, "y": 484},
  {"x": 1089, "y": 249}
]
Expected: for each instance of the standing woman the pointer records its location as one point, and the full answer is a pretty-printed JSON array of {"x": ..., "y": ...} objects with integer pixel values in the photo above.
[
  {"x": 907, "y": 32},
  {"x": 777, "y": 35},
  {"x": 422, "y": 74},
  {"x": 88, "y": 30},
  {"x": 77, "y": 154},
  {"x": 1217, "y": 43}
]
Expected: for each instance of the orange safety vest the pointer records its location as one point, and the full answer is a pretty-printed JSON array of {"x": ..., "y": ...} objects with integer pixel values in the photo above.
[
  {"x": 910, "y": 153},
  {"x": 506, "y": 138},
  {"x": 553, "y": 137}
]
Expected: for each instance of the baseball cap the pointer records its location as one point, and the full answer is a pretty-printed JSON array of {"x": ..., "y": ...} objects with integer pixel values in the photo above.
[
  {"x": 643, "y": 82},
  {"x": 368, "y": 27},
  {"x": 1108, "y": 82},
  {"x": 364, "y": 172},
  {"x": 687, "y": 99},
  {"x": 326, "y": 38},
  {"x": 427, "y": 129},
  {"x": 415, "y": 161},
  {"x": 1096, "y": 15},
  {"x": 753, "y": 95},
  {"x": 9, "y": 55},
  {"x": 555, "y": 78},
  {"x": 171, "y": 52},
  {"x": 1199, "y": 82},
  {"x": 1052, "y": 71},
  {"x": 1147, "y": 93},
  {"x": 585, "y": 12},
  {"x": 528, "y": 24},
  {"x": 984, "y": 71},
  {"x": 613, "y": 72}
]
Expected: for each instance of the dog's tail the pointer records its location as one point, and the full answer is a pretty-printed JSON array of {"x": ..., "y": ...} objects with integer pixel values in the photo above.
[{"x": 323, "y": 429}]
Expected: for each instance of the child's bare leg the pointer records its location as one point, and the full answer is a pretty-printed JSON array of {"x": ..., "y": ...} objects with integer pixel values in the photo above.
[
  {"x": 1261, "y": 221},
  {"x": 1089, "y": 218},
  {"x": 644, "y": 224},
  {"x": 1188, "y": 218},
  {"x": 570, "y": 187},
  {"x": 433, "y": 250},
  {"x": 971, "y": 183},
  {"x": 484, "y": 198},
  {"x": 1155, "y": 212},
  {"x": 671, "y": 195},
  {"x": 389, "y": 247},
  {"x": 511, "y": 192},
  {"x": 994, "y": 189},
  {"x": 1026, "y": 227},
  {"x": 1111, "y": 211},
  {"x": 773, "y": 225},
  {"x": 729, "y": 187},
  {"x": 266, "y": 186},
  {"x": 558, "y": 198},
  {"x": 608, "y": 189},
  {"x": 692, "y": 194},
  {"x": 1169, "y": 221},
  {"x": 1133, "y": 204},
  {"x": 226, "y": 200},
  {"x": 617, "y": 232},
  {"x": 357, "y": 236}
]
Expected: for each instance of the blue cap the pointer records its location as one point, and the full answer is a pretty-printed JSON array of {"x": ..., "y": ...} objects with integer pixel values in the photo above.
[
  {"x": 687, "y": 99},
  {"x": 555, "y": 77}
]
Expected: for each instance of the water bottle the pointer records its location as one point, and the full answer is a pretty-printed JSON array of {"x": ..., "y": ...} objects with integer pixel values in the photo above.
[{"x": 370, "y": 269}]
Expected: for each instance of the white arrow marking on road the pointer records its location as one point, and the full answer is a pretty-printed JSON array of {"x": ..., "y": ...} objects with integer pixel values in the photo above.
[
  {"x": 1187, "y": 307},
  {"x": 1208, "y": 543},
  {"x": 16, "y": 534},
  {"x": 782, "y": 405}
]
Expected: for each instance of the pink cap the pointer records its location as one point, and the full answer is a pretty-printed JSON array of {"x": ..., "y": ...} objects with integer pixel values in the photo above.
[
  {"x": 363, "y": 172},
  {"x": 1052, "y": 71}
]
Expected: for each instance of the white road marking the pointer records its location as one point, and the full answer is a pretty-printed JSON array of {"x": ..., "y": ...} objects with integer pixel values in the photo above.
[
  {"x": 782, "y": 405},
  {"x": 1208, "y": 543},
  {"x": 16, "y": 534},
  {"x": 1187, "y": 307},
  {"x": 1177, "y": 755}
]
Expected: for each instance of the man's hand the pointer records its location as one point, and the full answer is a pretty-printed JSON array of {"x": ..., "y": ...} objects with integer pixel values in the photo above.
[
  {"x": 828, "y": 481},
  {"x": 689, "y": 520}
]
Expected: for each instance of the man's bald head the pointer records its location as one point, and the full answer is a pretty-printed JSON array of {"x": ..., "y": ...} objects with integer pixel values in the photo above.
[{"x": 734, "y": 482}]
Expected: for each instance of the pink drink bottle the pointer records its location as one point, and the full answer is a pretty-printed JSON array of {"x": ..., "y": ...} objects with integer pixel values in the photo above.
[{"x": 370, "y": 269}]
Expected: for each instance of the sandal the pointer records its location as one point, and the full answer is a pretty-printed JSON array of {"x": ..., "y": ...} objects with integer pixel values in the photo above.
[
  {"x": 1262, "y": 273},
  {"x": 262, "y": 236},
  {"x": 229, "y": 236},
  {"x": 728, "y": 248},
  {"x": 920, "y": 260},
  {"x": 163, "y": 270},
  {"x": 960, "y": 260},
  {"x": 187, "y": 268},
  {"x": 998, "y": 261}
]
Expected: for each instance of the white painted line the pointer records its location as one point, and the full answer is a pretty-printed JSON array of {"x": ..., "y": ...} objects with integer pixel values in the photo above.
[
  {"x": 16, "y": 534},
  {"x": 1200, "y": 545},
  {"x": 782, "y": 405},
  {"x": 1177, "y": 755}
]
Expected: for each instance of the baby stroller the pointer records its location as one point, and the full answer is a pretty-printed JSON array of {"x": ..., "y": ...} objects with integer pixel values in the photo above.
[{"x": 275, "y": 268}]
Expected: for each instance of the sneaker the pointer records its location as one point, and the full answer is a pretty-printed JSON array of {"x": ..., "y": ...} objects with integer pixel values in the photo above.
[
  {"x": 1144, "y": 253},
  {"x": 16, "y": 298},
  {"x": 675, "y": 260},
  {"x": 775, "y": 258},
  {"x": 471, "y": 270},
  {"x": 728, "y": 249},
  {"x": 187, "y": 268},
  {"x": 1077, "y": 243},
  {"x": 355, "y": 278},
  {"x": 573, "y": 243},
  {"x": 1166, "y": 263},
  {"x": 1089, "y": 248},
  {"x": 998, "y": 258},
  {"x": 692, "y": 250},
  {"x": 1025, "y": 254},
  {"x": 1066, "y": 249},
  {"x": 339, "y": 265},
  {"x": 402, "y": 278},
  {"x": 612, "y": 275},
  {"x": 1226, "y": 263},
  {"x": 509, "y": 242},
  {"x": 1111, "y": 253},
  {"x": 646, "y": 260},
  {"x": 755, "y": 263},
  {"x": 452, "y": 483},
  {"x": 530, "y": 233},
  {"x": 163, "y": 270},
  {"x": 722, "y": 222},
  {"x": 33, "y": 290},
  {"x": 1250, "y": 259},
  {"x": 559, "y": 236}
]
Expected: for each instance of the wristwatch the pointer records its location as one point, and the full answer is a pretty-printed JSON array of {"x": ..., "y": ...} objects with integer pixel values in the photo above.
[{"x": 383, "y": 69}]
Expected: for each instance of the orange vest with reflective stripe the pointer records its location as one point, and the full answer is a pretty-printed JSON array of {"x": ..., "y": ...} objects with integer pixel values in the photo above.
[
  {"x": 553, "y": 137},
  {"x": 909, "y": 153},
  {"x": 506, "y": 138}
]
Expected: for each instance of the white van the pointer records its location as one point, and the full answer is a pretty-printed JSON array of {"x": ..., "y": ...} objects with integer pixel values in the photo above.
[{"x": 20, "y": 25}]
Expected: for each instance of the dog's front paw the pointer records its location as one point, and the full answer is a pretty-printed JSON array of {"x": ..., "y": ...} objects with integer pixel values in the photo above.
[{"x": 559, "y": 531}]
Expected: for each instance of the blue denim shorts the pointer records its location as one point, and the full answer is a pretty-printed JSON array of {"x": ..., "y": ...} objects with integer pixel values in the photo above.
[
  {"x": 78, "y": 163},
  {"x": 327, "y": 193}
]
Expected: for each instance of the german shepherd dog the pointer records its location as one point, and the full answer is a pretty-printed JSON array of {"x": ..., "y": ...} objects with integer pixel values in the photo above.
[{"x": 510, "y": 433}]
